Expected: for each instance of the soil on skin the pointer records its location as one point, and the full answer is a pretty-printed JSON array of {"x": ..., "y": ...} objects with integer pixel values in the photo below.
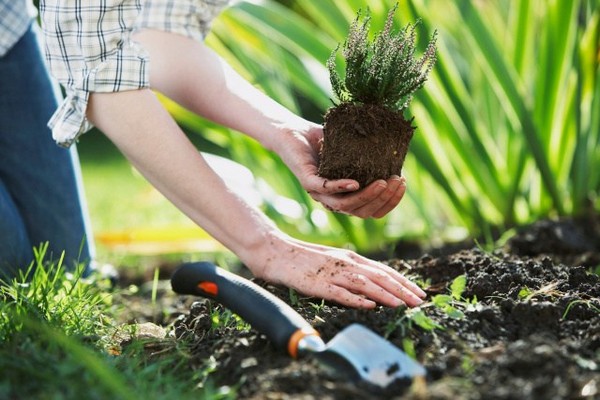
[
  {"x": 532, "y": 333},
  {"x": 364, "y": 142}
]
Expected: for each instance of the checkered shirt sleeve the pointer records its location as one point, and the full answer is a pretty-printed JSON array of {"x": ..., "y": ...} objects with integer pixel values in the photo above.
[{"x": 89, "y": 48}]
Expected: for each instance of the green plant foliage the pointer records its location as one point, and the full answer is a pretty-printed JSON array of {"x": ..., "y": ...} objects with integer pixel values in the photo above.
[
  {"x": 384, "y": 70},
  {"x": 222, "y": 318},
  {"x": 458, "y": 286},
  {"x": 47, "y": 293},
  {"x": 451, "y": 304},
  {"x": 507, "y": 93},
  {"x": 447, "y": 305},
  {"x": 56, "y": 328},
  {"x": 409, "y": 348},
  {"x": 424, "y": 322}
]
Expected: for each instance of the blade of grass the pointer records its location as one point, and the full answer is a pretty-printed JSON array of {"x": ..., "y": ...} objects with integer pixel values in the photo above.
[
  {"x": 285, "y": 28},
  {"x": 338, "y": 15},
  {"x": 107, "y": 376},
  {"x": 588, "y": 93},
  {"x": 523, "y": 14}
]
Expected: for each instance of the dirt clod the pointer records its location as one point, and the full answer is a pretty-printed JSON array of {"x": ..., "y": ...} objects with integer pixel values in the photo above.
[{"x": 364, "y": 142}]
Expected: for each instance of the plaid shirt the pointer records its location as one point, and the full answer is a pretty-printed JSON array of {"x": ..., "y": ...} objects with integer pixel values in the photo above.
[
  {"x": 15, "y": 18},
  {"x": 89, "y": 48}
]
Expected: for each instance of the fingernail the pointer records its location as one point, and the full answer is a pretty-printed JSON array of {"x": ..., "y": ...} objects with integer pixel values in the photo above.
[
  {"x": 351, "y": 186},
  {"x": 419, "y": 301},
  {"x": 398, "y": 303}
]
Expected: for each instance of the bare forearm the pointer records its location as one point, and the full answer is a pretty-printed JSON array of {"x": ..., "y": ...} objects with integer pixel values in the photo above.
[
  {"x": 212, "y": 88},
  {"x": 137, "y": 123},
  {"x": 205, "y": 84}
]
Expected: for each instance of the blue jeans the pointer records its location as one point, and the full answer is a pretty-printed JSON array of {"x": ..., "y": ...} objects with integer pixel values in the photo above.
[{"x": 41, "y": 197}]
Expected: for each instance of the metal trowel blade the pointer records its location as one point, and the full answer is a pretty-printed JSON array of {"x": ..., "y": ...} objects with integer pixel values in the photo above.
[{"x": 368, "y": 356}]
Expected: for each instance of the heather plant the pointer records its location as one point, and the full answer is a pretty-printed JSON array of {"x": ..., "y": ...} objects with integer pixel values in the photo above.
[
  {"x": 366, "y": 136},
  {"x": 385, "y": 70}
]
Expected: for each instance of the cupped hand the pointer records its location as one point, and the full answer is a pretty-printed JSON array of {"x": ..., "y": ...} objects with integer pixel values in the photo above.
[
  {"x": 299, "y": 149},
  {"x": 338, "y": 275},
  {"x": 376, "y": 200}
]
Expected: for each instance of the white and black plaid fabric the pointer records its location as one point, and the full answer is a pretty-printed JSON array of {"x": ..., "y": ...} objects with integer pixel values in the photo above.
[
  {"x": 15, "y": 18},
  {"x": 89, "y": 48}
]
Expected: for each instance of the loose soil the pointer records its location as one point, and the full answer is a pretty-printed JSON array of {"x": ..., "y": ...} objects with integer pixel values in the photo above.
[
  {"x": 364, "y": 142},
  {"x": 533, "y": 331}
]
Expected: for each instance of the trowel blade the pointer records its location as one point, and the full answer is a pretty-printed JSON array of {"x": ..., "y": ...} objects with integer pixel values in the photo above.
[{"x": 372, "y": 358}]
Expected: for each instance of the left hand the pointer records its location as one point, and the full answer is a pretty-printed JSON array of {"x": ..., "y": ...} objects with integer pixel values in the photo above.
[
  {"x": 338, "y": 275},
  {"x": 299, "y": 149}
]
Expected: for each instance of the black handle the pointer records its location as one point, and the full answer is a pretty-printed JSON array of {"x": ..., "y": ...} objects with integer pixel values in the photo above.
[{"x": 261, "y": 309}]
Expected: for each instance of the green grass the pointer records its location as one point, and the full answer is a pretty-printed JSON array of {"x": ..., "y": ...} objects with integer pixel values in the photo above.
[{"x": 57, "y": 332}]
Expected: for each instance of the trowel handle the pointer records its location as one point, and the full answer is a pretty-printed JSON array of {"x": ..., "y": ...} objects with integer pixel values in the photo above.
[{"x": 264, "y": 311}]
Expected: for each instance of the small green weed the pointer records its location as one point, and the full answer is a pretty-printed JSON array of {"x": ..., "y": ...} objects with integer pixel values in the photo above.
[
  {"x": 589, "y": 303},
  {"x": 294, "y": 301},
  {"x": 527, "y": 294},
  {"x": 318, "y": 307},
  {"x": 451, "y": 304},
  {"x": 224, "y": 318}
]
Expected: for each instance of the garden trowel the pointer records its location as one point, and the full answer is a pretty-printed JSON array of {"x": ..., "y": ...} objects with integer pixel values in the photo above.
[{"x": 355, "y": 353}]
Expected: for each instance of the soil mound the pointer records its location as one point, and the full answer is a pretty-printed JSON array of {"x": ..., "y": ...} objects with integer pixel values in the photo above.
[{"x": 527, "y": 326}]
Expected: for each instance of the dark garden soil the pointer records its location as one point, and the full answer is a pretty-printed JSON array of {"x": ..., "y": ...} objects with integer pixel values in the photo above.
[
  {"x": 533, "y": 333},
  {"x": 351, "y": 128}
]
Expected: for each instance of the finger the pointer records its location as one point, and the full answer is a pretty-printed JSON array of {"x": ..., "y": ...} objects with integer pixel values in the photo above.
[
  {"x": 361, "y": 284},
  {"x": 403, "y": 289},
  {"x": 408, "y": 284},
  {"x": 381, "y": 205},
  {"x": 317, "y": 185},
  {"x": 390, "y": 272},
  {"x": 393, "y": 201},
  {"x": 341, "y": 296},
  {"x": 349, "y": 202},
  {"x": 393, "y": 285}
]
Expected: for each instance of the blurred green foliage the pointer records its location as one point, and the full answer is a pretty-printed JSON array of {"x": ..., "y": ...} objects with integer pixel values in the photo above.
[{"x": 508, "y": 122}]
